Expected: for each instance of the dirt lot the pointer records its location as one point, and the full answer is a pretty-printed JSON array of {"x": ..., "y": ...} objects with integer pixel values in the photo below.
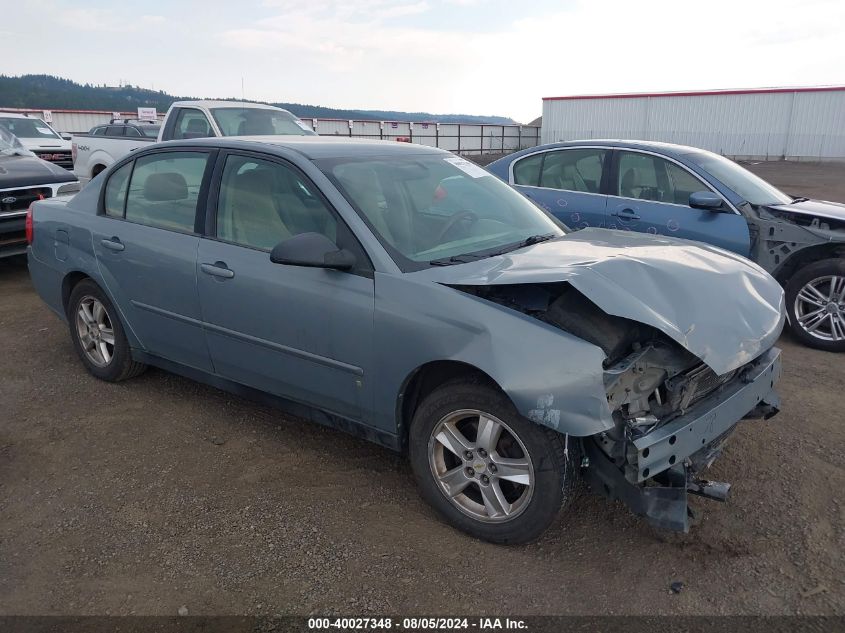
[{"x": 141, "y": 497}]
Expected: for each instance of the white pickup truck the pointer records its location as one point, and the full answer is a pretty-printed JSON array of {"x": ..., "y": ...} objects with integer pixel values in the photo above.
[{"x": 94, "y": 152}]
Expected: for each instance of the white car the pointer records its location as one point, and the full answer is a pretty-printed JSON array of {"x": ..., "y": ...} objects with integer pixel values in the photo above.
[
  {"x": 37, "y": 136},
  {"x": 99, "y": 149}
]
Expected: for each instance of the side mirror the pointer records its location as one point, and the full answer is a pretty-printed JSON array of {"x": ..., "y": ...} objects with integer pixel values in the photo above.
[
  {"x": 314, "y": 250},
  {"x": 66, "y": 137},
  {"x": 705, "y": 200}
]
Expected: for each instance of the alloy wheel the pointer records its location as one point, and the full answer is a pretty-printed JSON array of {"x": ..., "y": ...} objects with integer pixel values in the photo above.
[
  {"x": 94, "y": 327},
  {"x": 481, "y": 465},
  {"x": 820, "y": 308}
]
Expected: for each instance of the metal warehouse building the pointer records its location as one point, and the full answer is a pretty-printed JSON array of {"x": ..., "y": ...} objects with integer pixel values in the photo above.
[{"x": 773, "y": 123}]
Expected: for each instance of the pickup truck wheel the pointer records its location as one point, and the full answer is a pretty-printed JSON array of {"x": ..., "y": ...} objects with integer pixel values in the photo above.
[
  {"x": 486, "y": 469},
  {"x": 98, "y": 334},
  {"x": 815, "y": 299}
]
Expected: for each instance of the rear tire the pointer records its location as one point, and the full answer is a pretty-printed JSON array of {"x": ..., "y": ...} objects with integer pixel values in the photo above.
[
  {"x": 815, "y": 301},
  {"x": 487, "y": 470},
  {"x": 98, "y": 336}
]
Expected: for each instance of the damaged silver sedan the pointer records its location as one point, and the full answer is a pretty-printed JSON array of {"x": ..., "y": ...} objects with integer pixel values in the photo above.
[{"x": 407, "y": 296}]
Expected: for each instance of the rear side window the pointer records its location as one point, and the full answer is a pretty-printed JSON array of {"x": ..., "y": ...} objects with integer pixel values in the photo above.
[
  {"x": 574, "y": 170},
  {"x": 131, "y": 131},
  {"x": 527, "y": 170},
  {"x": 114, "y": 130},
  {"x": 164, "y": 190},
  {"x": 115, "y": 198}
]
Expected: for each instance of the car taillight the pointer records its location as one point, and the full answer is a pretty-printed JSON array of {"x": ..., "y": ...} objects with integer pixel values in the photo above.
[
  {"x": 73, "y": 151},
  {"x": 29, "y": 233}
]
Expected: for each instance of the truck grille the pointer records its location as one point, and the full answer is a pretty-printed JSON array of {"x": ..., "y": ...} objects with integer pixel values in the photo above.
[
  {"x": 20, "y": 199},
  {"x": 62, "y": 158}
]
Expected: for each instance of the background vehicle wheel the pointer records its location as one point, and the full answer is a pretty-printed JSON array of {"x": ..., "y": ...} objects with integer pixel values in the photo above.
[
  {"x": 487, "y": 470},
  {"x": 815, "y": 299},
  {"x": 98, "y": 334}
]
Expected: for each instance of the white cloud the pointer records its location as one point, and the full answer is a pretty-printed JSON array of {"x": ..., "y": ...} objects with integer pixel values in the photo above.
[{"x": 416, "y": 55}]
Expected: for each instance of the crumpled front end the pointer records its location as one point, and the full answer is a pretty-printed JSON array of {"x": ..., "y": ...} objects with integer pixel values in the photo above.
[{"x": 672, "y": 420}]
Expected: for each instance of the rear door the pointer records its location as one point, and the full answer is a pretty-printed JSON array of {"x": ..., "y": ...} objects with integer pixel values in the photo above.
[
  {"x": 567, "y": 183},
  {"x": 146, "y": 245},
  {"x": 302, "y": 333},
  {"x": 651, "y": 195}
]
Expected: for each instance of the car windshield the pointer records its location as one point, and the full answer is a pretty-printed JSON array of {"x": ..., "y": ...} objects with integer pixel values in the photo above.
[
  {"x": 750, "y": 187},
  {"x": 258, "y": 122},
  {"x": 28, "y": 128},
  {"x": 430, "y": 210},
  {"x": 10, "y": 145}
]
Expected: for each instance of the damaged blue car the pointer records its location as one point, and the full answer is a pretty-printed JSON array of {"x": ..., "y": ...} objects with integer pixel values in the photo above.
[{"x": 407, "y": 296}]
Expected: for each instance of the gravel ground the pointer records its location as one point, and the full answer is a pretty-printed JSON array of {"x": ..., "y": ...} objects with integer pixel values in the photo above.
[{"x": 159, "y": 493}]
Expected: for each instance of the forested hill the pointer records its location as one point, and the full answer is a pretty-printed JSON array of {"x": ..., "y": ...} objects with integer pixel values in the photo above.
[{"x": 48, "y": 92}]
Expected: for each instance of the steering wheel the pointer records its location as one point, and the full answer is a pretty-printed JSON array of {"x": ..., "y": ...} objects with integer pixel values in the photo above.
[{"x": 460, "y": 216}]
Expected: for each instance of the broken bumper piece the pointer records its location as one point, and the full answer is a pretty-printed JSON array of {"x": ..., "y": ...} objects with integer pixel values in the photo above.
[{"x": 662, "y": 465}]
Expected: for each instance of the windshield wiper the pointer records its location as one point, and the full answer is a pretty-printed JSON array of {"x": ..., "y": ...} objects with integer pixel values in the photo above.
[
  {"x": 469, "y": 257},
  {"x": 455, "y": 259}
]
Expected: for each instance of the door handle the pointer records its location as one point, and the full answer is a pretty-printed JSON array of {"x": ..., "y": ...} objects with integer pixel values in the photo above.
[
  {"x": 113, "y": 244},
  {"x": 626, "y": 214},
  {"x": 217, "y": 269}
]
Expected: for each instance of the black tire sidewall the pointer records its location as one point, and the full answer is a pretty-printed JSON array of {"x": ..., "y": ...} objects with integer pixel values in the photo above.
[
  {"x": 548, "y": 495},
  {"x": 793, "y": 287},
  {"x": 122, "y": 355}
]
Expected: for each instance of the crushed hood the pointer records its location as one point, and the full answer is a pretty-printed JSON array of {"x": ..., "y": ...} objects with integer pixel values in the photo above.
[
  {"x": 814, "y": 208},
  {"x": 721, "y": 307}
]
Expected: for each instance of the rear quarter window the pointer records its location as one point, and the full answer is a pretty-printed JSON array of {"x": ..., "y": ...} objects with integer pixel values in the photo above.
[{"x": 526, "y": 171}]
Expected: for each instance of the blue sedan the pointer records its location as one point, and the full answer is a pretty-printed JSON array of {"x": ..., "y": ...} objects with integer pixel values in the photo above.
[{"x": 679, "y": 191}]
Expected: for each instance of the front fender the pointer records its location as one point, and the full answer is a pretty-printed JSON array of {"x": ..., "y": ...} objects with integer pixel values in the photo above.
[{"x": 551, "y": 376}]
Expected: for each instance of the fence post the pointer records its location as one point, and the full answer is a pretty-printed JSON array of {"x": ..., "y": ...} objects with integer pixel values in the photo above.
[
  {"x": 519, "y": 138},
  {"x": 459, "y": 138},
  {"x": 503, "y": 139},
  {"x": 437, "y": 135},
  {"x": 411, "y": 131},
  {"x": 381, "y": 130},
  {"x": 350, "y": 127}
]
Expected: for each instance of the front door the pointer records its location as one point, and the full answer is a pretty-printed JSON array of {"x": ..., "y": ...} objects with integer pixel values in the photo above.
[
  {"x": 302, "y": 333},
  {"x": 146, "y": 246},
  {"x": 651, "y": 195},
  {"x": 567, "y": 183}
]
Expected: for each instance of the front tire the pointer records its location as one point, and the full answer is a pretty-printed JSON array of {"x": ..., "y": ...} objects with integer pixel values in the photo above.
[
  {"x": 98, "y": 335},
  {"x": 487, "y": 470},
  {"x": 815, "y": 299}
]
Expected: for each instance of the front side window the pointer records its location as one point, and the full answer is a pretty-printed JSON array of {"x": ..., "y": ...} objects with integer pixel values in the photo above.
[
  {"x": 424, "y": 208},
  {"x": 131, "y": 131},
  {"x": 649, "y": 177},
  {"x": 573, "y": 170},
  {"x": 191, "y": 123},
  {"x": 115, "y": 196},
  {"x": 258, "y": 122},
  {"x": 28, "y": 128},
  {"x": 262, "y": 203},
  {"x": 99, "y": 131},
  {"x": 164, "y": 190},
  {"x": 114, "y": 130}
]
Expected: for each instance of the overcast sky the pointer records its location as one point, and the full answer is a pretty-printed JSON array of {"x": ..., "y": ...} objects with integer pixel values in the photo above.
[{"x": 442, "y": 56}]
